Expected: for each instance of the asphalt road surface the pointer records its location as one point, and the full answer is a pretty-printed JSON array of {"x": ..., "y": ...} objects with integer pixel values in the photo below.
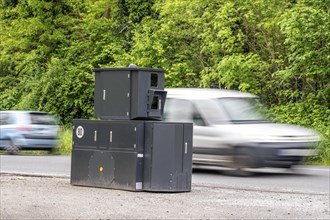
[
  {"x": 302, "y": 178},
  {"x": 38, "y": 187}
]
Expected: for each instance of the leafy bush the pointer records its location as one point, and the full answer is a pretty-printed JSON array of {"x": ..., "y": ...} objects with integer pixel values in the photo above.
[
  {"x": 323, "y": 157},
  {"x": 65, "y": 142},
  {"x": 276, "y": 49}
]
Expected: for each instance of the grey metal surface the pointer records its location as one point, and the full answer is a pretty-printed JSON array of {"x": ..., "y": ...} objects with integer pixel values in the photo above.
[
  {"x": 121, "y": 153},
  {"x": 129, "y": 93},
  {"x": 107, "y": 169},
  {"x": 112, "y": 158},
  {"x": 132, "y": 155},
  {"x": 111, "y": 94},
  {"x": 122, "y": 135},
  {"x": 168, "y": 153}
]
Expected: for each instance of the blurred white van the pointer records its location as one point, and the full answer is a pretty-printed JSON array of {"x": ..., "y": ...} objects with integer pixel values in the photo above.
[{"x": 229, "y": 130}]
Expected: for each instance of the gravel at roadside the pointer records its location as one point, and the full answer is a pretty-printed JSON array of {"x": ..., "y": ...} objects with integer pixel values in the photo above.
[{"x": 27, "y": 197}]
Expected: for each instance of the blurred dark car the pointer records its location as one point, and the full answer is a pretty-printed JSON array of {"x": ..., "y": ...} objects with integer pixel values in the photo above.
[
  {"x": 28, "y": 130},
  {"x": 230, "y": 131}
]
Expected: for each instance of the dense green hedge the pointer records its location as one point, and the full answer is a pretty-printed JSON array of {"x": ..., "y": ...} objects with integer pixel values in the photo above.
[{"x": 279, "y": 50}]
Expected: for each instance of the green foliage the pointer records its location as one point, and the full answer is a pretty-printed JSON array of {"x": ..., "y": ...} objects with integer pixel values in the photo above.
[
  {"x": 237, "y": 72},
  {"x": 65, "y": 142},
  {"x": 277, "y": 49},
  {"x": 169, "y": 41},
  {"x": 306, "y": 27},
  {"x": 65, "y": 87}
]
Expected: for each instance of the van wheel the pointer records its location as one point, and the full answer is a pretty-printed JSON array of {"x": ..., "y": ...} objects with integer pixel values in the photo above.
[
  {"x": 12, "y": 148},
  {"x": 243, "y": 160}
]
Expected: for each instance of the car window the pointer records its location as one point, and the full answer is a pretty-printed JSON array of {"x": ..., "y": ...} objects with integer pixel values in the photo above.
[
  {"x": 181, "y": 110},
  {"x": 242, "y": 110},
  {"x": 197, "y": 117},
  {"x": 178, "y": 110},
  {"x": 42, "y": 119},
  {"x": 212, "y": 111},
  {"x": 5, "y": 119}
]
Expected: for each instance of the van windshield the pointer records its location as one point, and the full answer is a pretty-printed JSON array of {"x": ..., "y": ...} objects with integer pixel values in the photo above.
[{"x": 243, "y": 110}]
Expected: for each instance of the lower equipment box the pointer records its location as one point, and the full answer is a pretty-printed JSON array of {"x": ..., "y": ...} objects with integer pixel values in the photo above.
[{"x": 132, "y": 155}]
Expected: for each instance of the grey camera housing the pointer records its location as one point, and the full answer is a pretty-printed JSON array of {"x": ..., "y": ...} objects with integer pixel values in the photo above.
[{"x": 129, "y": 93}]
